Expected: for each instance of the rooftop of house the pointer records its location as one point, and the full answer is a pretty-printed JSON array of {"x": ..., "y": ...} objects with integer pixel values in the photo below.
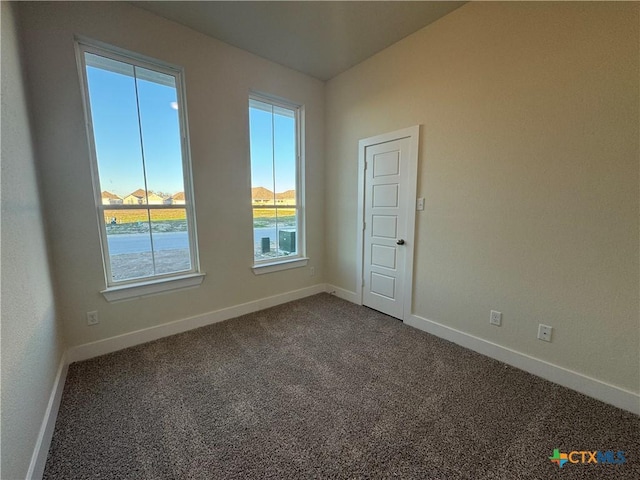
[
  {"x": 286, "y": 194},
  {"x": 140, "y": 193},
  {"x": 110, "y": 195},
  {"x": 261, "y": 193}
]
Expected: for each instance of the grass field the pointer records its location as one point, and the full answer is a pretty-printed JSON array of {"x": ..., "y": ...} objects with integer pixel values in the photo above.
[
  {"x": 135, "y": 216},
  {"x": 266, "y": 217},
  {"x": 270, "y": 212},
  {"x": 161, "y": 215}
]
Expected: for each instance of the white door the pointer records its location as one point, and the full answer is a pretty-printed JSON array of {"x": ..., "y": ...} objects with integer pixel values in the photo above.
[{"x": 389, "y": 215}]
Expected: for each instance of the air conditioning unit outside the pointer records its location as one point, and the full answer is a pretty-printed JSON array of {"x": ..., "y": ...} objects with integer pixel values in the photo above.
[{"x": 287, "y": 241}]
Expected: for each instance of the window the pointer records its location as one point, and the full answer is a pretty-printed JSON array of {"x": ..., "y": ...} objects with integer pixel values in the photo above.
[
  {"x": 276, "y": 190},
  {"x": 141, "y": 168}
]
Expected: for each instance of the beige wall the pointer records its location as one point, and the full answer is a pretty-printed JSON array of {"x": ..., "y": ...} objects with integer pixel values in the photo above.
[
  {"x": 218, "y": 80},
  {"x": 529, "y": 166},
  {"x": 31, "y": 340}
]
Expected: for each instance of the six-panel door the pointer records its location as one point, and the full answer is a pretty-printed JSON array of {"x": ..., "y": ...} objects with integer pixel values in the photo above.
[{"x": 385, "y": 226}]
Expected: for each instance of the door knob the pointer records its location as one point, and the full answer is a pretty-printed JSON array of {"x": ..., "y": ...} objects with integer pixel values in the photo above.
[{"x": 400, "y": 242}]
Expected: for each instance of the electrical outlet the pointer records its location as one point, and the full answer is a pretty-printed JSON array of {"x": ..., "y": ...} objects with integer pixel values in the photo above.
[
  {"x": 92, "y": 318},
  {"x": 495, "y": 318},
  {"x": 544, "y": 332},
  {"x": 420, "y": 203},
  {"x": 312, "y": 271}
]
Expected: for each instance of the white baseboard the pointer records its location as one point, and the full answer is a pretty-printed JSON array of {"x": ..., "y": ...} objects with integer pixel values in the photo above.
[
  {"x": 126, "y": 340},
  {"x": 589, "y": 386},
  {"x": 342, "y": 293},
  {"x": 43, "y": 442}
]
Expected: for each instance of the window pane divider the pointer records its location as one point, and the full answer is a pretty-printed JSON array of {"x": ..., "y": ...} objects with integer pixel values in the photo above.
[
  {"x": 141, "y": 285},
  {"x": 278, "y": 214}
]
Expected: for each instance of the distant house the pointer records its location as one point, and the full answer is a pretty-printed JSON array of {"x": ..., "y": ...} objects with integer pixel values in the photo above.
[
  {"x": 140, "y": 197},
  {"x": 286, "y": 198},
  {"x": 178, "y": 199},
  {"x": 109, "y": 198},
  {"x": 261, "y": 196}
]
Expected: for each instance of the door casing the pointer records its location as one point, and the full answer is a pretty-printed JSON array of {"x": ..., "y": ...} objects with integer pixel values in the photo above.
[{"x": 414, "y": 134}]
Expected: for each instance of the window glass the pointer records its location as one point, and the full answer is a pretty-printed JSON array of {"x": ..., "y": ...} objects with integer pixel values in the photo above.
[
  {"x": 274, "y": 133},
  {"x": 141, "y": 167}
]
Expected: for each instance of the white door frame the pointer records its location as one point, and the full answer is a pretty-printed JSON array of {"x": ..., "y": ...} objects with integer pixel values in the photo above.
[{"x": 414, "y": 134}]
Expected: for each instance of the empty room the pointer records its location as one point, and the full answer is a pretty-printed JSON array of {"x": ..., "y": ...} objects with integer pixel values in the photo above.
[{"x": 320, "y": 240}]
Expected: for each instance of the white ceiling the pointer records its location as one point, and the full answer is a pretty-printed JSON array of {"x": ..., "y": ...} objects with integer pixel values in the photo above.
[{"x": 319, "y": 38}]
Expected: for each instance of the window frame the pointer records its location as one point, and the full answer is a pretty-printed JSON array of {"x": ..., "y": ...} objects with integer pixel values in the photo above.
[
  {"x": 299, "y": 259},
  {"x": 136, "y": 287}
]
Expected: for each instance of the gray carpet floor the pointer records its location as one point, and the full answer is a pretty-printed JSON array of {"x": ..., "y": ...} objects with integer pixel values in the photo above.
[{"x": 322, "y": 388}]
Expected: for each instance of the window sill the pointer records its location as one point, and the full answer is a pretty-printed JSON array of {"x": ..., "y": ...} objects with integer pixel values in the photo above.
[
  {"x": 153, "y": 287},
  {"x": 262, "y": 268}
]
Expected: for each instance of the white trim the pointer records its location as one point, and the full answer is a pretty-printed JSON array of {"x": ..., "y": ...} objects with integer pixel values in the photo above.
[
  {"x": 347, "y": 295},
  {"x": 413, "y": 133},
  {"x": 579, "y": 382},
  {"x": 300, "y": 187},
  {"x": 261, "y": 268},
  {"x": 85, "y": 45},
  {"x": 126, "y": 55},
  {"x": 126, "y": 340},
  {"x": 360, "y": 222},
  {"x": 43, "y": 442},
  {"x": 152, "y": 287}
]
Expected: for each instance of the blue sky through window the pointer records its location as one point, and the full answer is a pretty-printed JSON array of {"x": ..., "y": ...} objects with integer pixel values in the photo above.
[
  {"x": 116, "y": 109},
  {"x": 114, "y": 112},
  {"x": 273, "y": 147}
]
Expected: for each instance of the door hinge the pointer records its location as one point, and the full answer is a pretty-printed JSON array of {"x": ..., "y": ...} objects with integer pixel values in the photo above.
[
  {"x": 364, "y": 225},
  {"x": 363, "y": 281}
]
